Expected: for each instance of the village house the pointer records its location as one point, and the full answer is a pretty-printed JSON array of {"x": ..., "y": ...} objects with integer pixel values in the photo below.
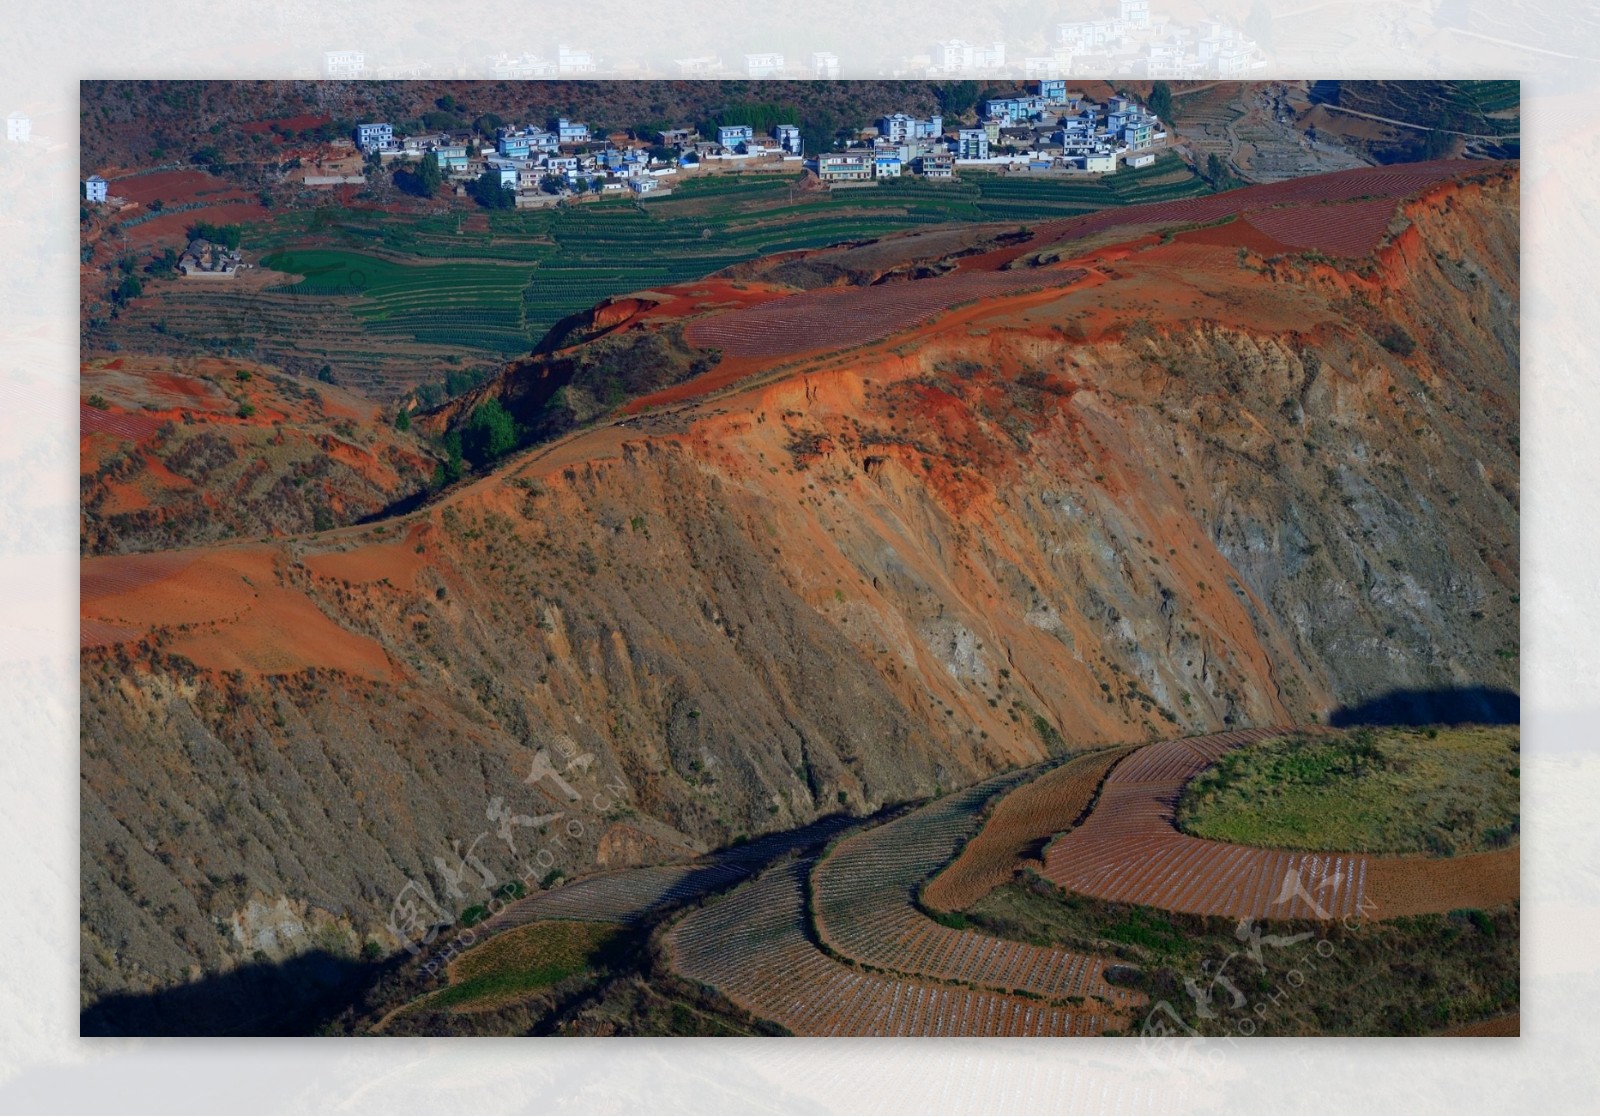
[
  {"x": 1141, "y": 159},
  {"x": 204, "y": 260},
  {"x": 569, "y": 133},
  {"x": 901, "y": 128},
  {"x": 886, "y": 165},
  {"x": 972, "y": 143},
  {"x": 788, "y": 137},
  {"x": 570, "y": 61},
  {"x": 731, "y": 136},
  {"x": 847, "y": 166},
  {"x": 935, "y": 165},
  {"x": 825, "y": 65},
  {"x": 344, "y": 64},
  {"x": 375, "y": 137},
  {"x": 766, "y": 65},
  {"x": 521, "y": 68},
  {"x": 94, "y": 189},
  {"x": 19, "y": 128}
]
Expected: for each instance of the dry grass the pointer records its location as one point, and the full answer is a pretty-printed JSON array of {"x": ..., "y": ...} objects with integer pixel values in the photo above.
[{"x": 1395, "y": 791}]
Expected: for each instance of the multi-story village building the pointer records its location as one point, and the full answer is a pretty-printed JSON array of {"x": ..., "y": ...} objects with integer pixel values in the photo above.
[
  {"x": 375, "y": 137},
  {"x": 886, "y": 164},
  {"x": 767, "y": 65},
  {"x": 526, "y": 66},
  {"x": 901, "y": 128},
  {"x": 344, "y": 64},
  {"x": 846, "y": 166},
  {"x": 731, "y": 136},
  {"x": 569, "y": 133},
  {"x": 705, "y": 66},
  {"x": 972, "y": 143},
  {"x": 94, "y": 189},
  {"x": 954, "y": 56},
  {"x": 571, "y": 62},
  {"x": 788, "y": 137},
  {"x": 825, "y": 65},
  {"x": 936, "y": 165},
  {"x": 19, "y": 128}
]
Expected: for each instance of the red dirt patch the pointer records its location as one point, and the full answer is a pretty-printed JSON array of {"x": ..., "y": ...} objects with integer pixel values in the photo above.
[
  {"x": 286, "y": 124},
  {"x": 237, "y": 615},
  {"x": 1350, "y": 229}
]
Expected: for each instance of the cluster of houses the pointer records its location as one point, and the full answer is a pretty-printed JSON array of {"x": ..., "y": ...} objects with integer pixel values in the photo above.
[
  {"x": 206, "y": 260},
  {"x": 541, "y": 165},
  {"x": 1052, "y": 129}
]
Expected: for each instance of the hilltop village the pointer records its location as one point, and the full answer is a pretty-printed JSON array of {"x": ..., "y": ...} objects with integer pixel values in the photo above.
[{"x": 1050, "y": 130}]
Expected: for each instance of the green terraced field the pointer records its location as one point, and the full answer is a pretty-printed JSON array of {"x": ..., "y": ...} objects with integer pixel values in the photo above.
[{"x": 471, "y": 285}]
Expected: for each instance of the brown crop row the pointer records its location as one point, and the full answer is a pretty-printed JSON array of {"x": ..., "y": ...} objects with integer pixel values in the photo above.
[
  {"x": 751, "y": 946},
  {"x": 1032, "y": 813}
]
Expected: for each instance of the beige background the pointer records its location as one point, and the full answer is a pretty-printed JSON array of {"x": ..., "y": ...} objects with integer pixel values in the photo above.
[{"x": 1553, "y": 46}]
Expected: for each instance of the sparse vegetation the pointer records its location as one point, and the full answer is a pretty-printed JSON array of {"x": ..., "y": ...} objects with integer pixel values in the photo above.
[{"x": 1399, "y": 791}]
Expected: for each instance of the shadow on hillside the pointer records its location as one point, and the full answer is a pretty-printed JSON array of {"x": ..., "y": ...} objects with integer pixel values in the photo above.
[
  {"x": 1436, "y": 706},
  {"x": 290, "y": 998}
]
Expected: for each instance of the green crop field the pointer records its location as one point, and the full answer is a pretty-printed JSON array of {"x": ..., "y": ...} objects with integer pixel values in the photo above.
[
  {"x": 1397, "y": 791},
  {"x": 467, "y": 285}
]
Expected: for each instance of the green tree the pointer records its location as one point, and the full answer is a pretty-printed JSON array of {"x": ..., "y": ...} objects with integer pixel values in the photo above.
[
  {"x": 487, "y": 192},
  {"x": 490, "y": 434},
  {"x": 428, "y": 177},
  {"x": 1161, "y": 100},
  {"x": 402, "y": 420},
  {"x": 956, "y": 97}
]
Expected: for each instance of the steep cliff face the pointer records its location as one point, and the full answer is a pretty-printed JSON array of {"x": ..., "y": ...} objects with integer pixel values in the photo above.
[{"x": 1204, "y": 489}]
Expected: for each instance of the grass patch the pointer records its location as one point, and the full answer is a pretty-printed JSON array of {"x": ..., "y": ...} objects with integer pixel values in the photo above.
[
  {"x": 1389, "y": 791},
  {"x": 531, "y": 960}
]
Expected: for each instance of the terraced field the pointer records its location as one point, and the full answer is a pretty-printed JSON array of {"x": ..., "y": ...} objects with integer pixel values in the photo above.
[
  {"x": 1022, "y": 820},
  {"x": 864, "y": 894},
  {"x": 638, "y": 895},
  {"x": 751, "y": 946},
  {"x": 1130, "y": 851}
]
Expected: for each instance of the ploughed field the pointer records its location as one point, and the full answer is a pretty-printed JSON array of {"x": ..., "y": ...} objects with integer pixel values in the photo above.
[
  {"x": 1129, "y": 850},
  {"x": 864, "y": 893}
]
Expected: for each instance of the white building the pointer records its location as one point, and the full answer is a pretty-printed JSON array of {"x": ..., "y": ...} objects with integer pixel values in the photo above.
[
  {"x": 763, "y": 65},
  {"x": 94, "y": 188},
  {"x": 569, "y": 133},
  {"x": 526, "y": 66},
  {"x": 19, "y": 127},
  {"x": 571, "y": 60},
  {"x": 886, "y": 164},
  {"x": 375, "y": 137},
  {"x": 972, "y": 143},
  {"x": 788, "y": 137},
  {"x": 344, "y": 63},
  {"x": 847, "y": 166},
  {"x": 1140, "y": 159},
  {"x": 1100, "y": 161},
  {"x": 703, "y": 67},
  {"x": 825, "y": 65},
  {"x": 901, "y": 128},
  {"x": 958, "y": 55},
  {"x": 1136, "y": 14}
]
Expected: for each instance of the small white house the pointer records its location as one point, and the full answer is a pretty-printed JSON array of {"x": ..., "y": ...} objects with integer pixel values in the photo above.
[
  {"x": 1141, "y": 159},
  {"x": 94, "y": 188},
  {"x": 766, "y": 65},
  {"x": 1100, "y": 162},
  {"x": 19, "y": 128},
  {"x": 825, "y": 65},
  {"x": 344, "y": 63}
]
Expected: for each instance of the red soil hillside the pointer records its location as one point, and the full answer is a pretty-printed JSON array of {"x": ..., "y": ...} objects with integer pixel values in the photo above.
[
  {"x": 1192, "y": 492},
  {"x": 181, "y": 451}
]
